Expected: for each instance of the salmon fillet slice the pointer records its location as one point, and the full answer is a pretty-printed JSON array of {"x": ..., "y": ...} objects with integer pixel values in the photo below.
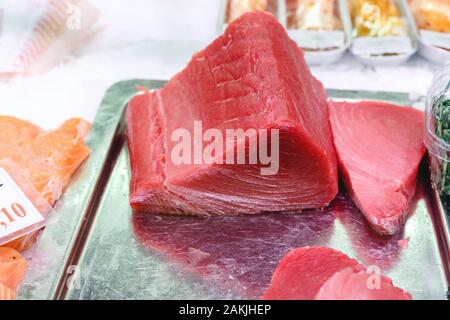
[
  {"x": 379, "y": 147},
  {"x": 43, "y": 162},
  {"x": 12, "y": 267},
  {"x": 12, "y": 271},
  {"x": 15, "y": 135}
]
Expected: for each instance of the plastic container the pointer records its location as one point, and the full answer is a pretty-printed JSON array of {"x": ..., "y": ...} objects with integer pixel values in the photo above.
[
  {"x": 391, "y": 49},
  {"x": 322, "y": 46},
  {"x": 437, "y": 132},
  {"x": 433, "y": 45}
]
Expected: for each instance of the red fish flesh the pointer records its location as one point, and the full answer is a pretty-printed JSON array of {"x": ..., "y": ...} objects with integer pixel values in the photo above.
[
  {"x": 379, "y": 147},
  {"x": 252, "y": 77},
  {"x": 349, "y": 285},
  {"x": 321, "y": 273},
  {"x": 303, "y": 271}
]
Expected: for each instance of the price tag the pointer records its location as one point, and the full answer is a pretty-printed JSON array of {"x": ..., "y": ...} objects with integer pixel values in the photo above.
[{"x": 16, "y": 210}]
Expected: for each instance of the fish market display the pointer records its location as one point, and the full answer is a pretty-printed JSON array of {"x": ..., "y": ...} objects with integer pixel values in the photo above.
[
  {"x": 379, "y": 147},
  {"x": 38, "y": 34},
  {"x": 380, "y": 31},
  {"x": 321, "y": 273},
  {"x": 236, "y": 8},
  {"x": 43, "y": 161},
  {"x": 12, "y": 272},
  {"x": 254, "y": 79},
  {"x": 313, "y": 14}
]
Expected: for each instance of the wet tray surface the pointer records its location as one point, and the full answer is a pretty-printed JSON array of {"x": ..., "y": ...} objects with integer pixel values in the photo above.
[{"x": 107, "y": 252}]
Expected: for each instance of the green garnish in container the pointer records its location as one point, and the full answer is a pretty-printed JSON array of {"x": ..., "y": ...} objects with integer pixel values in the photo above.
[{"x": 437, "y": 132}]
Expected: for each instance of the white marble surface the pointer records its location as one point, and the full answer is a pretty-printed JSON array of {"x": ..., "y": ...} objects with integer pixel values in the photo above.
[{"x": 153, "y": 39}]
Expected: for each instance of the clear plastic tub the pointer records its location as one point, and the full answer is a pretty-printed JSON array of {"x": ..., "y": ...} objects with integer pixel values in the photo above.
[{"x": 437, "y": 131}]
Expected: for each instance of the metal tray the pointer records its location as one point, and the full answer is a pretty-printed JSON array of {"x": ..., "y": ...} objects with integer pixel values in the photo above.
[{"x": 99, "y": 250}]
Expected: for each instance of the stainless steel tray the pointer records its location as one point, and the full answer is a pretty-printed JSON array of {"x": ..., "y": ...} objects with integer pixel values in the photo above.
[{"x": 99, "y": 250}]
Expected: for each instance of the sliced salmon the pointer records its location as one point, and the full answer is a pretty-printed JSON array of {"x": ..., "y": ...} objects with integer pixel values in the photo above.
[
  {"x": 379, "y": 147},
  {"x": 15, "y": 134},
  {"x": 7, "y": 293},
  {"x": 57, "y": 154},
  {"x": 12, "y": 267},
  {"x": 45, "y": 161},
  {"x": 236, "y": 8}
]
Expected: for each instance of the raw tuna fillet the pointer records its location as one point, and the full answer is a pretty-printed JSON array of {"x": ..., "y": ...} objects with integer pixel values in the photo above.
[
  {"x": 41, "y": 162},
  {"x": 323, "y": 273},
  {"x": 303, "y": 271},
  {"x": 236, "y": 8},
  {"x": 379, "y": 148},
  {"x": 252, "y": 77},
  {"x": 349, "y": 285}
]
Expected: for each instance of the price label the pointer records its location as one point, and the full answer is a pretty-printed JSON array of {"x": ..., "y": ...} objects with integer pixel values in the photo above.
[{"x": 16, "y": 210}]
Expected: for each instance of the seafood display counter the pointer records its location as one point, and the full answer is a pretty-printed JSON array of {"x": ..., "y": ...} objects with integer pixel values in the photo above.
[
  {"x": 294, "y": 191},
  {"x": 101, "y": 250}
]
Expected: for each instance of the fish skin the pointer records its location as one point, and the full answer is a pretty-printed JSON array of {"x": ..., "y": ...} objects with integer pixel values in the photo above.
[
  {"x": 51, "y": 41},
  {"x": 254, "y": 76},
  {"x": 380, "y": 148},
  {"x": 44, "y": 163}
]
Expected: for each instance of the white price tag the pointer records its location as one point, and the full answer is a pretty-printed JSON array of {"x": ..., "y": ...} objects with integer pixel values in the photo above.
[{"x": 16, "y": 210}]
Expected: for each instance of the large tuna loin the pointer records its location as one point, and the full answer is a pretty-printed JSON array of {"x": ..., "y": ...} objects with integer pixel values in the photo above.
[
  {"x": 252, "y": 77},
  {"x": 379, "y": 148}
]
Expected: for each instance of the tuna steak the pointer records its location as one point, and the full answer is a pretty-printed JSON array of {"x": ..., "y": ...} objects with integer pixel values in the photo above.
[
  {"x": 321, "y": 273},
  {"x": 349, "y": 285},
  {"x": 252, "y": 77},
  {"x": 379, "y": 147},
  {"x": 303, "y": 271}
]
